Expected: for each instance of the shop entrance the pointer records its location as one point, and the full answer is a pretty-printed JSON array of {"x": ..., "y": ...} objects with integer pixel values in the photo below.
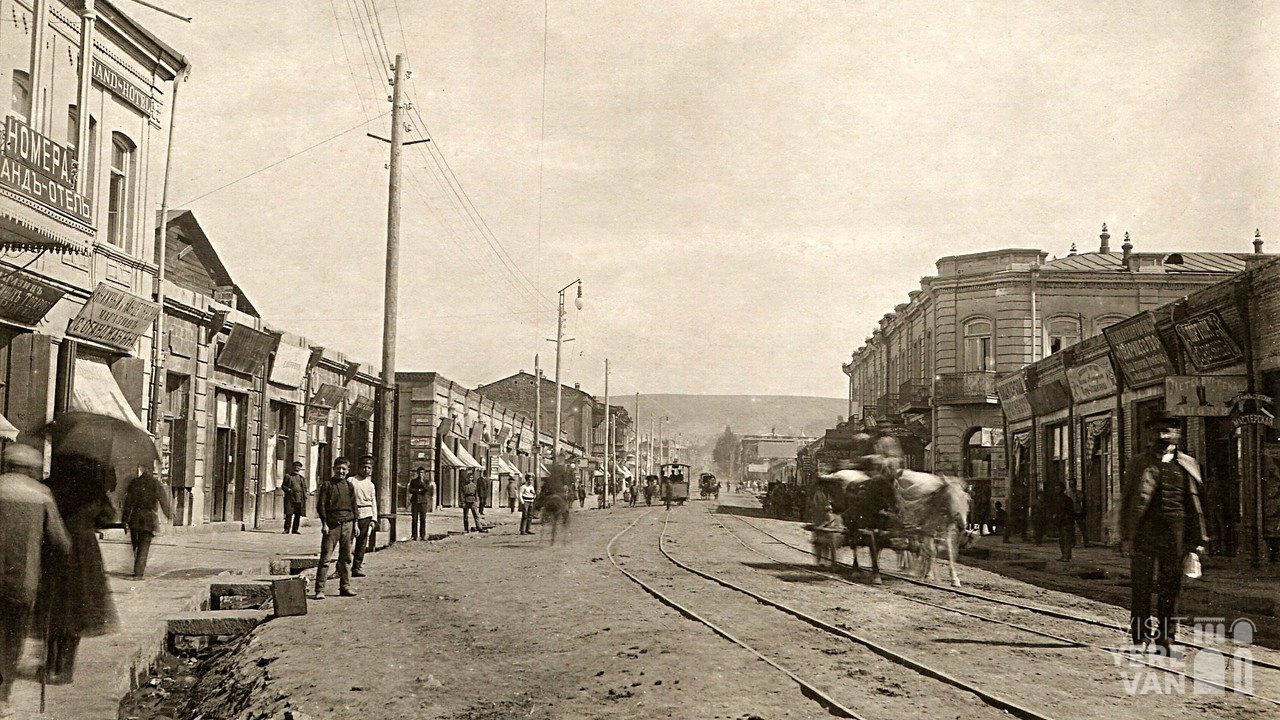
[
  {"x": 1097, "y": 469},
  {"x": 1020, "y": 486},
  {"x": 227, "y": 461},
  {"x": 1221, "y": 473}
]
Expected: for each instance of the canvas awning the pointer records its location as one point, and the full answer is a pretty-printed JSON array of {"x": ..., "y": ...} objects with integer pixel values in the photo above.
[
  {"x": 7, "y": 430},
  {"x": 448, "y": 459},
  {"x": 95, "y": 391},
  {"x": 506, "y": 468},
  {"x": 468, "y": 459}
]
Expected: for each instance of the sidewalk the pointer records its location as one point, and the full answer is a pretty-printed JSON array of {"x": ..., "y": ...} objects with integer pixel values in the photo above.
[
  {"x": 182, "y": 565},
  {"x": 1228, "y": 585}
]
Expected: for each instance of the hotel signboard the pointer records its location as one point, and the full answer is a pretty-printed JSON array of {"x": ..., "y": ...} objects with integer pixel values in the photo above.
[{"x": 41, "y": 170}]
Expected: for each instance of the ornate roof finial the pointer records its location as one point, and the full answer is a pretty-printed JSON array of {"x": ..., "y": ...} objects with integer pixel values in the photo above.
[
  {"x": 1257, "y": 241},
  {"x": 1106, "y": 240},
  {"x": 1073, "y": 249},
  {"x": 1127, "y": 247}
]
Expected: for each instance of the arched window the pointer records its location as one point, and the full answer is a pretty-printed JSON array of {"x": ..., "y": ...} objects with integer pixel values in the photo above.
[
  {"x": 20, "y": 100},
  {"x": 979, "y": 346},
  {"x": 120, "y": 198},
  {"x": 1106, "y": 321},
  {"x": 1061, "y": 332}
]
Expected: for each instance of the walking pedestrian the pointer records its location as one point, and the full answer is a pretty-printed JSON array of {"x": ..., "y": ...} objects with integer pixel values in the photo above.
[
  {"x": 30, "y": 527},
  {"x": 482, "y": 491},
  {"x": 419, "y": 503},
  {"x": 666, "y": 492},
  {"x": 469, "y": 499},
  {"x": 1160, "y": 516},
  {"x": 295, "y": 498},
  {"x": 648, "y": 490},
  {"x": 582, "y": 494},
  {"x": 1064, "y": 513},
  {"x": 336, "y": 507},
  {"x": 366, "y": 513},
  {"x": 145, "y": 499},
  {"x": 527, "y": 495},
  {"x": 513, "y": 492}
]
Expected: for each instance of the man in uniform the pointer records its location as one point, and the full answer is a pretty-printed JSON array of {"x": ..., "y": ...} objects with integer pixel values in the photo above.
[{"x": 1160, "y": 519}]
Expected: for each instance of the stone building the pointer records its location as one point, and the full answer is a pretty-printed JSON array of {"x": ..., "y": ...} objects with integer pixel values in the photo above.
[{"x": 927, "y": 373}]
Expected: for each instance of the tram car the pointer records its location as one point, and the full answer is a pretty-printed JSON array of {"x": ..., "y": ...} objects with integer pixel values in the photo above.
[
  {"x": 709, "y": 486},
  {"x": 676, "y": 474}
]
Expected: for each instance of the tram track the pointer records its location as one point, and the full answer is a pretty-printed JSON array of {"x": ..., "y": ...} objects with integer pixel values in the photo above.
[
  {"x": 809, "y": 687},
  {"x": 1111, "y": 652},
  {"x": 991, "y": 599}
]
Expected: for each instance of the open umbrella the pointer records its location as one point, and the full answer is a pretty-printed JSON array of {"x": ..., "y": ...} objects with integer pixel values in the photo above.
[{"x": 119, "y": 446}]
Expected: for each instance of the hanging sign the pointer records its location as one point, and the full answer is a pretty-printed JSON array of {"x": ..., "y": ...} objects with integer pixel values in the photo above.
[
  {"x": 289, "y": 366},
  {"x": 1138, "y": 350},
  {"x": 41, "y": 170},
  {"x": 1012, "y": 391},
  {"x": 1091, "y": 380},
  {"x": 1207, "y": 341},
  {"x": 1249, "y": 408},
  {"x": 1202, "y": 395},
  {"x": 113, "y": 317},
  {"x": 25, "y": 299},
  {"x": 246, "y": 350}
]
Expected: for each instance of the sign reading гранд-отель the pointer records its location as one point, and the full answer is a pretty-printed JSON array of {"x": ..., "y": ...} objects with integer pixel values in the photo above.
[{"x": 41, "y": 170}]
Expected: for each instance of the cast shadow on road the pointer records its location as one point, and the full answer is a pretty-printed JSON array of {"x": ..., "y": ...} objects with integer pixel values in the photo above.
[
  {"x": 787, "y": 573},
  {"x": 995, "y": 643},
  {"x": 741, "y": 511}
]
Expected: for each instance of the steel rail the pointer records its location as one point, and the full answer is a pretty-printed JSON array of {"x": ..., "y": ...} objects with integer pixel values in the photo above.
[
  {"x": 884, "y": 652},
  {"x": 1069, "y": 641},
  {"x": 806, "y": 688},
  {"x": 1039, "y": 610}
]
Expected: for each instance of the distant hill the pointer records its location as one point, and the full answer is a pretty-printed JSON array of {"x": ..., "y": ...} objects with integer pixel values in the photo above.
[{"x": 700, "y": 419}]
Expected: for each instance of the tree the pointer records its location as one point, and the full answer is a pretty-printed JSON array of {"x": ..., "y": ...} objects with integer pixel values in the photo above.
[{"x": 722, "y": 454}]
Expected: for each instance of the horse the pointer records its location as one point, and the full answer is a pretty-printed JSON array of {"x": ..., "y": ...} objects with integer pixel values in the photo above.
[{"x": 554, "y": 513}]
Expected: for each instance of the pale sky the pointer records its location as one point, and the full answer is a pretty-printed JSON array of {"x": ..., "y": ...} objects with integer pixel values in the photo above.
[{"x": 743, "y": 187}]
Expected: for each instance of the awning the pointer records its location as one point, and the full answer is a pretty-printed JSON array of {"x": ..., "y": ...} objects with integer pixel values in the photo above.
[
  {"x": 95, "y": 391},
  {"x": 623, "y": 471},
  {"x": 466, "y": 457},
  {"x": 447, "y": 458},
  {"x": 506, "y": 468},
  {"x": 7, "y": 430},
  {"x": 27, "y": 229},
  {"x": 543, "y": 471}
]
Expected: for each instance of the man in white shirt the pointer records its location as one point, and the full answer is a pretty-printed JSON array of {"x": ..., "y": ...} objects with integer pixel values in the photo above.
[
  {"x": 366, "y": 511},
  {"x": 527, "y": 496}
]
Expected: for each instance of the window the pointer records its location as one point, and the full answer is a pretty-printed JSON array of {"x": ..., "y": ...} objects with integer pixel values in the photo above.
[
  {"x": 1106, "y": 321},
  {"x": 1063, "y": 332},
  {"x": 1056, "y": 457},
  {"x": 979, "y": 350},
  {"x": 88, "y": 163},
  {"x": 20, "y": 101},
  {"x": 119, "y": 217}
]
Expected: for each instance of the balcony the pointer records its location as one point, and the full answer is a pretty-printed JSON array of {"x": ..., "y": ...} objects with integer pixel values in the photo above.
[
  {"x": 913, "y": 396},
  {"x": 887, "y": 406},
  {"x": 966, "y": 388}
]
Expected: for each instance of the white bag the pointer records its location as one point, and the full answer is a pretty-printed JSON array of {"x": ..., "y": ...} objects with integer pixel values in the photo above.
[{"x": 1191, "y": 566}]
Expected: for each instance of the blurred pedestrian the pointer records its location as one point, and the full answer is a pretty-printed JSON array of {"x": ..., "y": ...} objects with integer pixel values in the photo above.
[
  {"x": 419, "y": 503},
  {"x": 527, "y": 495},
  {"x": 1160, "y": 517},
  {"x": 29, "y": 527},
  {"x": 366, "y": 513},
  {"x": 145, "y": 499},
  {"x": 513, "y": 492},
  {"x": 336, "y": 507},
  {"x": 1064, "y": 515},
  {"x": 295, "y": 498},
  {"x": 470, "y": 495},
  {"x": 582, "y": 494},
  {"x": 74, "y": 600},
  {"x": 482, "y": 491},
  {"x": 998, "y": 519},
  {"x": 648, "y": 490}
]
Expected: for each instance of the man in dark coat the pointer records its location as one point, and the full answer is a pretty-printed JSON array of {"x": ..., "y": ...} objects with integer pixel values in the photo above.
[
  {"x": 295, "y": 498},
  {"x": 336, "y": 506},
  {"x": 1160, "y": 519},
  {"x": 145, "y": 499}
]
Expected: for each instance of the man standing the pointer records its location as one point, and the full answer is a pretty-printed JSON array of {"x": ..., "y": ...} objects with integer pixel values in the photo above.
[
  {"x": 418, "y": 503},
  {"x": 469, "y": 499},
  {"x": 366, "y": 511},
  {"x": 145, "y": 499},
  {"x": 513, "y": 492},
  {"x": 1065, "y": 514},
  {"x": 527, "y": 495},
  {"x": 295, "y": 498},
  {"x": 29, "y": 520},
  {"x": 336, "y": 506},
  {"x": 1160, "y": 516}
]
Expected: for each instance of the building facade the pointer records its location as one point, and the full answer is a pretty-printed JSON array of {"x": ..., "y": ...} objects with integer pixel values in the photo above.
[
  {"x": 928, "y": 372},
  {"x": 1211, "y": 358}
]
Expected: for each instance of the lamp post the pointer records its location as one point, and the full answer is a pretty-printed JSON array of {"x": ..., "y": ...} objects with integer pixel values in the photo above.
[{"x": 555, "y": 441}]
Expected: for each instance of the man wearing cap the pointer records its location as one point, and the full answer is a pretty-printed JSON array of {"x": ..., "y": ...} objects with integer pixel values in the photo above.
[
  {"x": 366, "y": 512},
  {"x": 1160, "y": 519},
  {"x": 295, "y": 498},
  {"x": 419, "y": 503},
  {"x": 28, "y": 520}
]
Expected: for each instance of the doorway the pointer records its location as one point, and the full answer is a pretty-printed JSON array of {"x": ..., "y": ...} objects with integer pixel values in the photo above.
[
  {"x": 228, "y": 466},
  {"x": 1097, "y": 470},
  {"x": 1221, "y": 485}
]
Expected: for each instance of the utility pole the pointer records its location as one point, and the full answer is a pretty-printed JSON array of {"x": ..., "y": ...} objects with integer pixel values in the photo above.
[
  {"x": 636, "y": 428},
  {"x": 537, "y": 421},
  {"x": 555, "y": 441},
  {"x": 387, "y": 418},
  {"x": 608, "y": 430}
]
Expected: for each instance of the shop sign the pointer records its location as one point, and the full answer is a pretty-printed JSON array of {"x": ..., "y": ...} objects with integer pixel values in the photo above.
[
  {"x": 1202, "y": 396},
  {"x": 420, "y": 442},
  {"x": 1049, "y": 397},
  {"x": 758, "y": 468},
  {"x": 1207, "y": 341},
  {"x": 246, "y": 350},
  {"x": 328, "y": 395},
  {"x": 1012, "y": 391},
  {"x": 114, "y": 318},
  {"x": 317, "y": 415},
  {"x": 182, "y": 339},
  {"x": 1248, "y": 408},
  {"x": 24, "y": 299},
  {"x": 362, "y": 408},
  {"x": 41, "y": 170},
  {"x": 117, "y": 85},
  {"x": 1138, "y": 350},
  {"x": 1091, "y": 380},
  {"x": 289, "y": 367}
]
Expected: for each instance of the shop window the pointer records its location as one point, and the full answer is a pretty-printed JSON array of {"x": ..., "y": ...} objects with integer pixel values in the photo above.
[
  {"x": 20, "y": 98},
  {"x": 120, "y": 195},
  {"x": 89, "y": 160},
  {"x": 1063, "y": 332},
  {"x": 979, "y": 348},
  {"x": 1056, "y": 452}
]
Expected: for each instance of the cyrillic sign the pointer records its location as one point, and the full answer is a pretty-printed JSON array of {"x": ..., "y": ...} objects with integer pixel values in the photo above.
[{"x": 41, "y": 170}]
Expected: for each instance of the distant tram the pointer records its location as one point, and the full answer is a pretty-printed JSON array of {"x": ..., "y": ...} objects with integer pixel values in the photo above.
[{"x": 676, "y": 474}]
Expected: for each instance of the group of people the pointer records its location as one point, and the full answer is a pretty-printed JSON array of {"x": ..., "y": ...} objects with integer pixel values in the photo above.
[
  {"x": 53, "y": 580},
  {"x": 347, "y": 506}
]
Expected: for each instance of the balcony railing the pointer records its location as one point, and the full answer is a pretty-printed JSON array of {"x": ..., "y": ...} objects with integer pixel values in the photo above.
[
  {"x": 966, "y": 388},
  {"x": 887, "y": 405},
  {"x": 913, "y": 395}
]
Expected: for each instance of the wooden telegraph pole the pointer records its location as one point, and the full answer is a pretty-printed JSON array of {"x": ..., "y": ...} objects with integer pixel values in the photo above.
[{"x": 387, "y": 418}]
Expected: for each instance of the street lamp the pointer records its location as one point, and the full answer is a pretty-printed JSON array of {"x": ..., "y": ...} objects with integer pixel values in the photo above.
[{"x": 555, "y": 441}]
